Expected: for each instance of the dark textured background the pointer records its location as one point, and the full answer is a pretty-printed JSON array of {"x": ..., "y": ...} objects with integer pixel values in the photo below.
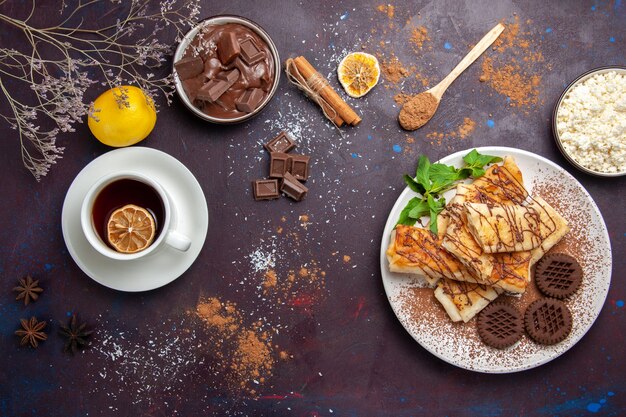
[{"x": 350, "y": 356}]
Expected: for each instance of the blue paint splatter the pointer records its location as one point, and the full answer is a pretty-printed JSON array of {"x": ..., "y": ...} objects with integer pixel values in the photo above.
[
  {"x": 68, "y": 313},
  {"x": 447, "y": 45},
  {"x": 619, "y": 303},
  {"x": 593, "y": 407},
  {"x": 610, "y": 393},
  {"x": 549, "y": 30},
  {"x": 344, "y": 16},
  {"x": 602, "y": 401},
  {"x": 397, "y": 148},
  {"x": 491, "y": 123},
  {"x": 612, "y": 39},
  {"x": 369, "y": 137},
  {"x": 48, "y": 267},
  {"x": 593, "y": 8},
  {"x": 355, "y": 155}
]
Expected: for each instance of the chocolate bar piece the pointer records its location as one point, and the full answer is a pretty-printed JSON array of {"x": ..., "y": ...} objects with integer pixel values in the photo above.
[
  {"x": 250, "y": 51},
  {"x": 189, "y": 67},
  {"x": 229, "y": 76},
  {"x": 191, "y": 87},
  {"x": 281, "y": 143},
  {"x": 292, "y": 187},
  {"x": 299, "y": 167},
  {"x": 213, "y": 89},
  {"x": 249, "y": 100},
  {"x": 279, "y": 164},
  {"x": 265, "y": 189},
  {"x": 228, "y": 48}
]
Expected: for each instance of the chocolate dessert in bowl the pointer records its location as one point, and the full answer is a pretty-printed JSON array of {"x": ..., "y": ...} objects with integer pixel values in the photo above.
[{"x": 226, "y": 69}]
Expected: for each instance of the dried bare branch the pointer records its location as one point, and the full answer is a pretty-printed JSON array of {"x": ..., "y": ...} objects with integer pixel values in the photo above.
[{"x": 59, "y": 64}]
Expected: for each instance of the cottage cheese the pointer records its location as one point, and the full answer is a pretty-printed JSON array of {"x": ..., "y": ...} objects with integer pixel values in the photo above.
[{"x": 591, "y": 122}]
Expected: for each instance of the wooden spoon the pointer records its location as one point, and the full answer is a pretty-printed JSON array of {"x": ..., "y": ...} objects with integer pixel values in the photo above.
[{"x": 421, "y": 108}]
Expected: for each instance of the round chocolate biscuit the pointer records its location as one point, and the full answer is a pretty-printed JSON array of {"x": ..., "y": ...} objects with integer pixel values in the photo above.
[
  {"x": 500, "y": 325},
  {"x": 548, "y": 321},
  {"x": 558, "y": 275}
]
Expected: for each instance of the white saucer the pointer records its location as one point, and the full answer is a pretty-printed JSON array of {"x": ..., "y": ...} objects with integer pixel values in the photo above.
[{"x": 154, "y": 270}]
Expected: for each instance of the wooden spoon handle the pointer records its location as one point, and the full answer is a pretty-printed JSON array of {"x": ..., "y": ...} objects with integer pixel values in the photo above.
[{"x": 476, "y": 51}]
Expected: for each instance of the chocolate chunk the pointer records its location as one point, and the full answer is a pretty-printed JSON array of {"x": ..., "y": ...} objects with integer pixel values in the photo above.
[
  {"x": 227, "y": 48},
  {"x": 189, "y": 67},
  {"x": 249, "y": 100},
  {"x": 281, "y": 143},
  {"x": 250, "y": 51},
  {"x": 558, "y": 275},
  {"x": 212, "y": 67},
  {"x": 213, "y": 89},
  {"x": 548, "y": 321},
  {"x": 300, "y": 167},
  {"x": 292, "y": 187},
  {"x": 192, "y": 85},
  {"x": 265, "y": 189},
  {"x": 279, "y": 164},
  {"x": 229, "y": 76},
  {"x": 500, "y": 325}
]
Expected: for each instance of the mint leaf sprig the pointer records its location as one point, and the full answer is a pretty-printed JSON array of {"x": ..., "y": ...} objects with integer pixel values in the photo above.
[{"x": 432, "y": 180}]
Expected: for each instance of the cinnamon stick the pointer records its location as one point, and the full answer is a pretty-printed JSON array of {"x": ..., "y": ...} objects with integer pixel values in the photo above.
[
  {"x": 298, "y": 79},
  {"x": 342, "y": 109}
]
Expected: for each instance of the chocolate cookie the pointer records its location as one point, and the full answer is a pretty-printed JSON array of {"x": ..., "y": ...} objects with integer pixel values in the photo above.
[
  {"x": 500, "y": 325},
  {"x": 558, "y": 275},
  {"x": 548, "y": 321}
]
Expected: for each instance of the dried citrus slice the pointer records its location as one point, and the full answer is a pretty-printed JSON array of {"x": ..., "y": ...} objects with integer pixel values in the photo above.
[
  {"x": 130, "y": 229},
  {"x": 358, "y": 73}
]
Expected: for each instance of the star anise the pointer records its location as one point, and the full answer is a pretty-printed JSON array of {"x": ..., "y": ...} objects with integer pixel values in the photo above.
[
  {"x": 75, "y": 335},
  {"x": 31, "y": 331},
  {"x": 28, "y": 289}
]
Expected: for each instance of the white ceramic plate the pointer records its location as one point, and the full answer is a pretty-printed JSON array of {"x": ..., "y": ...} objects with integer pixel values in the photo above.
[
  {"x": 158, "y": 268},
  {"x": 458, "y": 343}
]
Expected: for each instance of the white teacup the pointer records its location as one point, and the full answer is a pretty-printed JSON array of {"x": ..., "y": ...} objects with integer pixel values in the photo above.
[{"x": 168, "y": 236}]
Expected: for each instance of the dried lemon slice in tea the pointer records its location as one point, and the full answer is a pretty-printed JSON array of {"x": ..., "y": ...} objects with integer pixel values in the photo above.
[
  {"x": 130, "y": 229},
  {"x": 358, "y": 73}
]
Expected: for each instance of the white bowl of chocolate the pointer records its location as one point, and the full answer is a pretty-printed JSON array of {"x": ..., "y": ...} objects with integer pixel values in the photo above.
[{"x": 226, "y": 69}]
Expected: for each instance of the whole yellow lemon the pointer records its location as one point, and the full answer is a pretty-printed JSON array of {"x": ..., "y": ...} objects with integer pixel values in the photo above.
[{"x": 122, "y": 116}]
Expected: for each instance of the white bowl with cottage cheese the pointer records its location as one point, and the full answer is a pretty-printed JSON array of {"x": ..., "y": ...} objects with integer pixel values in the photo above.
[{"x": 589, "y": 122}]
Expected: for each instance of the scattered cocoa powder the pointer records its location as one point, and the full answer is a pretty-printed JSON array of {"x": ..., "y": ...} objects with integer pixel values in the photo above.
[
  {"x": 270, "y": 279},
  {"x": 402, "y": 98},
  {"x": 521, "y": 88},
  {"x": 417, "y": 111},
  {"x": 462, "y": 131},
  {"x": 515, "y": 71},
  {"x": 419, "y": 36},
  {"x": 393, "y": 70},
  {"x": 387, "y": 9},
  {"x": 214, "y": 314},
  {"x": 252, "y": 357},
  {"x": 244, "y": 353},
  {"x": 466, "y": 128}
]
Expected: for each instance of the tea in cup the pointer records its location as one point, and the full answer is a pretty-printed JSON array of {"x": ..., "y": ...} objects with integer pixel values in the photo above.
[{"x": 126, "y": 215}]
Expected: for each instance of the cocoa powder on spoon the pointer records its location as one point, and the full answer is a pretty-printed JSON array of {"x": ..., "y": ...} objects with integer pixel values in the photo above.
[{"x": 418, "y": 110}]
